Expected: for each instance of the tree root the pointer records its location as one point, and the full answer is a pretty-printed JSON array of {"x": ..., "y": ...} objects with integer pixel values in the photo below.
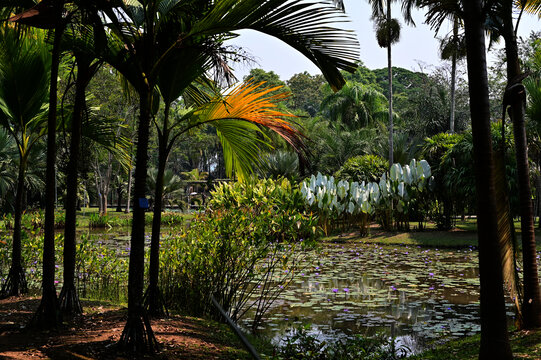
[
  {"x": 138, "y": 336},
  {"x": 47, "y": 315},
  {"x": 154, "y": 303},
  {"x": 69, "y": 302},
  {"x": 15, "y": 284}
]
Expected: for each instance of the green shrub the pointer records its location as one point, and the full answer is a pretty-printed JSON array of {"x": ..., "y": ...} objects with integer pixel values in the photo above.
[
  {"x": 367, "y": 168},
  {"x": 280, "y": 205},
  {"x": 226, "y": 254},
  {"x": 242, "y": 250},
  {"x": 172, "y": 218},
  {"x": 99, "y": 221},
  {"x": 101, "y": 271},
  {"x": 300, "y": 345},
  {"x": 60, "y": 219}
]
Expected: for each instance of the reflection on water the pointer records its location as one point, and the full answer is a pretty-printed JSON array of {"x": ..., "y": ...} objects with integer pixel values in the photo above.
[{"x": 415, "y": 293}]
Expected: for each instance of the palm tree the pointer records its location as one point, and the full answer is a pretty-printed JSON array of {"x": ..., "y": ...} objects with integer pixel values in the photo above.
[
  {"x": 387, "y": 34},
  {"x": 233, "y": 116},
  {"x": 24, "y": 86},
  {"x": 515, "y": 99},
  {"x": 355, "y": 105},
  {"x": 48, "y": 14},
  {"x": 453, "y": 48},
  {"x": 79, "y": 38},
  {"x": 494, "y": 337},
  {"x": 148, "y": 38}
]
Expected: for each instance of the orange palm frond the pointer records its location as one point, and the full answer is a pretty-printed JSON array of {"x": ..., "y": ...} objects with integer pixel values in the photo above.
[{"x": 252, "y": 103}]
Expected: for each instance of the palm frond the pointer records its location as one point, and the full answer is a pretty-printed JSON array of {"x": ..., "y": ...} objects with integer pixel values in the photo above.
[
  {"x": 24, "y": 79},
  {"x": 241, "y": 146},
  {"x": 249, "y": 107},
  {"x": 304, "y": 25},
  {"x": 530, "y": 6},
  {"x": 506, "y": 233}
]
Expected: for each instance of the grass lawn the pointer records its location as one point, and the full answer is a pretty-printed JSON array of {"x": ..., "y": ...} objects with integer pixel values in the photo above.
[
  {"x": 463, "y": 235},
  {"x": 114, "y": 219}
]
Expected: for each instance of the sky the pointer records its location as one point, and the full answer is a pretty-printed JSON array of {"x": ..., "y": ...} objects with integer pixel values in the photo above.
[{"x": 417, "y": 47}]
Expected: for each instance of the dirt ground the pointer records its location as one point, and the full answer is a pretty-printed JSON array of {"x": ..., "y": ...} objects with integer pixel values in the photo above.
[{"x": 94, "y": 335}]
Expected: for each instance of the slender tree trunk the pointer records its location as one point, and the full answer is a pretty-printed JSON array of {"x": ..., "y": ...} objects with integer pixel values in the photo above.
[
  {"x": 106, "y": 183},
  {"x": 69, "y": 299},
  {"x": 153, "y": 297},
  {"x": 128, "y": 195},
  {"x": 494, "y": 337},
  {"x": 15, "y": 284},
  {"x": 137, "y": 335},
  {"x": 105, "y": 203},
  {"x": 47, "y": 314},
  {"x": 538, "y": 198},
  {"x": 516, "y": 97},
  {"x": 453, "y": 77},
  {"x": 390, "y": 75},
  {"x": 119, "y": 198}
]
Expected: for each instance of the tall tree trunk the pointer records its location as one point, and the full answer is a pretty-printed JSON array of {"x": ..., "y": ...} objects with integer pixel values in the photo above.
[
  {"x": 390, "y": 75},
  {"x": 137, "y": 335},
  {"x": 69, "y": 299},
  {"x": 494, "y": 337},
  {"x": 105, "y": 203},
  {"x": 119, "y": 198},
  {"x": 128, "y": 195},
  {"x": 47, "y": 314},
  {"x": 153, "y": 297},
  {"x": 15, "y": 284},
  {"x": 515, "y": 96},
  {"x": 538, "y": 197},
  {"x": 453, "y": 76}
]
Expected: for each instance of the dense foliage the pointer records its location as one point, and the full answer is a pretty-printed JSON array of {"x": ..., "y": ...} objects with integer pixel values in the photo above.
[{"x": 398, "y": 194}]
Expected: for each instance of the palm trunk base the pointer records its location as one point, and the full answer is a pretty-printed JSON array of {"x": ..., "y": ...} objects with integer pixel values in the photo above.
[
  {"x": 15, "y": 284},
  {"x": 47, "y": 315},
  {"x": 154, "y": 303},
  {"x": 138, "y": 336},
  {"x": 70, "y": 305}
]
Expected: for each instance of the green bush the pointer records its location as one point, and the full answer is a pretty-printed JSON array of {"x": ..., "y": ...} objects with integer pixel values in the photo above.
[
  {"x": 242, "y": 250},
  {"x": 99, "y": 221},
  {"x": 278, "y": 203},
  {"x": 101, "y": 271},
  {"x": 169, "y": 218},
  {"x": 300, "y": 345},
  {"x": 367, "y": 168},
  {"x": 227, "y": 254}
]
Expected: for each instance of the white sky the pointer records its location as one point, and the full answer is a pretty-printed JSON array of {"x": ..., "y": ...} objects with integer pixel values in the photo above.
[{"x": 417, "y": 44}]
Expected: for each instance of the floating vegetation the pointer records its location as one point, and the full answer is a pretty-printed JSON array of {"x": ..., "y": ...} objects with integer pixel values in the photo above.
[{"x": 406, "y": 291}]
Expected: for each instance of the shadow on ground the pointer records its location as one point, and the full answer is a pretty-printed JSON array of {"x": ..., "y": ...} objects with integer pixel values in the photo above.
[{"x": 94, "y": 335}]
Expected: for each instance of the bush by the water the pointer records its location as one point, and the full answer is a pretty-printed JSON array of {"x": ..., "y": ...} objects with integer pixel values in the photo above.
[
  {"x": 301, "y": 345},
  {"x": 278, "y": 203},
  {"x": 242, "y": 250}
]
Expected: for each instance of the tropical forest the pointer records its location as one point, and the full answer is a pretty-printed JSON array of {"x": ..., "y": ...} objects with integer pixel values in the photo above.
[{"x": 155, "y": 204}]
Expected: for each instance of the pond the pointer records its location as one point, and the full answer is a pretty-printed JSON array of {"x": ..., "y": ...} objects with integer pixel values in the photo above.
[{"x": 416, "y": 294}]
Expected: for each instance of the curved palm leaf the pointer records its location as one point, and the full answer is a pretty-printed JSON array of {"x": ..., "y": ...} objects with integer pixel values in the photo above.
[
  {"x": 8, "y": 167},
  {"x": 300, "y": 24},
  {"x": 530, "y": 6},
  {"x": 238, "y": 118}
]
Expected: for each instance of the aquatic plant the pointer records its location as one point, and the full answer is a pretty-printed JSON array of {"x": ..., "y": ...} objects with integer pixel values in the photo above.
[{"x": 99, "y": 221}]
